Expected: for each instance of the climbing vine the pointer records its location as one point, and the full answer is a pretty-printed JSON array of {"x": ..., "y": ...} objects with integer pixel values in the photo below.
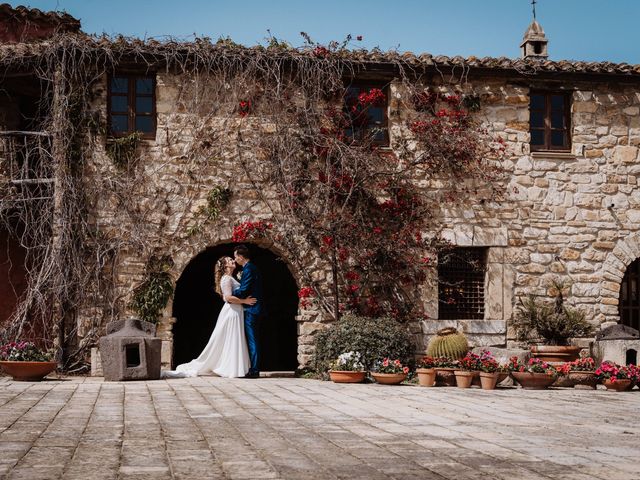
[
  {"x": 152, "y": 295},
  {"x": 370, "y": 214}
]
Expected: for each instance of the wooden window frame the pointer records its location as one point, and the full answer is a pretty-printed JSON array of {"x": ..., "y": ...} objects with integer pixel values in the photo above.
[
  {"x": 468, "y": 282},
  {"x": 131, "y": 104},
  {"x": 547, "y": 129},
  {"x": 364, "y": 85},
  {"x": 629, "y": 307}
]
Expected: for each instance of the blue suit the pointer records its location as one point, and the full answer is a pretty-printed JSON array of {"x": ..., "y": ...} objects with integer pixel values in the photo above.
[{"x": 251, "y": 286}]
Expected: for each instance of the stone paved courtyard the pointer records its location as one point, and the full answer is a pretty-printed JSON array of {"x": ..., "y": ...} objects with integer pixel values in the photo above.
[{"x": 286, "y": 428}]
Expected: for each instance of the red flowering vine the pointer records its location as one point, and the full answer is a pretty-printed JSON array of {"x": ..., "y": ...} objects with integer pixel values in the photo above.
[
  {"x": 244, "y": 107},
  {"x": 245, "y": 230}
]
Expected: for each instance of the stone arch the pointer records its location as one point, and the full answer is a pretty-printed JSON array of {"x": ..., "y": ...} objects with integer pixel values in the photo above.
[
  {"x": 280, "y": 333},
  {"x": 613, "y": 271}
]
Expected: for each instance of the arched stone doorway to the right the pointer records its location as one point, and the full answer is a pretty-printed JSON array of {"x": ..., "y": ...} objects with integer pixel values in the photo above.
[{"x": 629, "y": 302}]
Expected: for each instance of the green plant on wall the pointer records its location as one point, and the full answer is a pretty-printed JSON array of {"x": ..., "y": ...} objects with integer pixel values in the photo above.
[
  {"x": 152, "y": 295},
  {"x": 217, "y": 199},
  {"x": 122, "y": 150}
]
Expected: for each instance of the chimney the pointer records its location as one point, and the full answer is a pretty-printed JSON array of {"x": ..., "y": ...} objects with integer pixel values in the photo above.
[{"x": 22, "y": 24}]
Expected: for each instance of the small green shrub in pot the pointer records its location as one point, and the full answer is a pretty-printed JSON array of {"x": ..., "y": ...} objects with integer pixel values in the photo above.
[{"x": 373, "y": 338}]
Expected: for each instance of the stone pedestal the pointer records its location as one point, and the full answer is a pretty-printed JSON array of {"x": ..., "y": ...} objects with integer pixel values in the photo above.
[
  {"x": 617, "y": 343},
  {"x": 130, "y": 351}
]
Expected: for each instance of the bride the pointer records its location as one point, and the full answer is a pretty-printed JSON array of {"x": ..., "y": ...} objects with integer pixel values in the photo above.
[{"x": 226, "y": 353}]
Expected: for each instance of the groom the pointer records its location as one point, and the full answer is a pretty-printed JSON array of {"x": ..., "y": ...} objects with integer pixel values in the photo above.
[{"x": 250, "y": 286}]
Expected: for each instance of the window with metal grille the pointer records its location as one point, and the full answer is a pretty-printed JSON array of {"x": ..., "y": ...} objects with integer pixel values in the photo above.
[
  {"x": 461, "y": 274},
  {"x": 629, "y": 306}
]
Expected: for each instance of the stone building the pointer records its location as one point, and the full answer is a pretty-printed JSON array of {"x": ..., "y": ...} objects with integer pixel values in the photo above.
[{"x": 572, "y": 210}]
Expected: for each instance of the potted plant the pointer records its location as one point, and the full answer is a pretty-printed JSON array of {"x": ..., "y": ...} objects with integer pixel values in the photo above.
[
  {"x": 448, "y": 343},
  {"x": 447, "y": 346},
  {"x": 389, "y": 372},
  {"x": 445, "y": 368},
  {"x": 613, "y": 376},
  {"x": 489, "y": 370},
  {"x": 551, "y": 325},
  {"x": 580, "y": 373},
  {"x": 468, "y": 368},
  {"x": 347, "y": 368},
  {"x": 25, "y": 362},
  {"x": 535, "y": 374},
  {"x": 426, "y": 372}
]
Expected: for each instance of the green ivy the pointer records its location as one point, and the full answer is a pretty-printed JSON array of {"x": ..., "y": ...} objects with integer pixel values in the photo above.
[
  {"x": 152, "y": 295},
  {"x": 122, "y": 150},
  {"x": 217, "y": 199}
]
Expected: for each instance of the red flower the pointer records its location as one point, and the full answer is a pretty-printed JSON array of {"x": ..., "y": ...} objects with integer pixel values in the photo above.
[
  {"x": 374, "y": 97},
  {"x": 321, "y": 52},
  {"x": 327, "y": 240},
  {"x": 353, "y": 276},
  {"x": 245, "y": 230},
  {"x": 244, "y": 107}
]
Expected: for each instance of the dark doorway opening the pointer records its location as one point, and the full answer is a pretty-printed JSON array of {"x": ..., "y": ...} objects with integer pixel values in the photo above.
[
  {"x": 629, "y": 305},
  {"x": 196, "y": 307}
]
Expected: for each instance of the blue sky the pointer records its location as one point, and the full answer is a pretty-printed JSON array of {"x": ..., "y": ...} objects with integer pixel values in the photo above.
[{"x": 577, "y": 29}]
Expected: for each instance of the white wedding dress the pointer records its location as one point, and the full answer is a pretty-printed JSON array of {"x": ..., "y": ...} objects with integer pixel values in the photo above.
[{"x": 226, "y": 354}]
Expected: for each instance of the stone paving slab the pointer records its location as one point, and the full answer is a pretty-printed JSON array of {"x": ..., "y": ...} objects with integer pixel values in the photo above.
[{"x": 287, "y": 428}]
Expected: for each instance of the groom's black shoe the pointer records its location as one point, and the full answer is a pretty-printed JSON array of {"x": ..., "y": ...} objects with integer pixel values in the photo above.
[{"x": 252, "y": 375}]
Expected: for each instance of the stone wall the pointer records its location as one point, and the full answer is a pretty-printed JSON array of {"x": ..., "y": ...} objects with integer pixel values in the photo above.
[{"x": 569, "y": 215}]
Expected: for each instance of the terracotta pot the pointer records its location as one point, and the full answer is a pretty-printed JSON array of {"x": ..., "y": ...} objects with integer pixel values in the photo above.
[
  {"x": 344, "y": 376},
  {"x": 533, "y": 381},
  {"x": 556, "y": 353},
  {"x": 445, "y": 377},
  {"x": 585, "y": 380},
  {"x": 28, "y": 371},
  {"x": 617, "y": 385},
  {"x": 464, "y": 378},
  {"x": 389, "y": 378},
  {"x": 488, "y": 380},
  {"x": 426, "y": 377}
]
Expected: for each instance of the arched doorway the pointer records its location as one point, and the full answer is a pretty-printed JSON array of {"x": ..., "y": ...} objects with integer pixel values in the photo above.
[
  {"x": 196, "y": 307},
  {"x": 629, "y": 303}
]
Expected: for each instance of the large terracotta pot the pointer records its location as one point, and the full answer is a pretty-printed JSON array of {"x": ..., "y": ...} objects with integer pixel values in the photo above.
[
  {"x": 585, "y": 380},
  {"x": 344, "y": 376},
  {"x": 445, "y": 377},
  {"x": 556, "y": 353},
  {"x": 426, "y": 377},
  {"x": 464, "y": 378},
  {"x": 617, "y": 385},
  {"x": 389, "y": 378},
  {"x": 28, "y": 371},
  {"x": 533, "y": 381},
  {"x": 488, "y": 380}
]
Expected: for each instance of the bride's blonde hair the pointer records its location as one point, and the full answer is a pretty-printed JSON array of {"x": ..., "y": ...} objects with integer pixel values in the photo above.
[{"x": 219, "y": 272}]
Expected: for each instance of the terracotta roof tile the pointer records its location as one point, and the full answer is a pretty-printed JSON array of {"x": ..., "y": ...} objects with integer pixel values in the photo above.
[{"x": 530, "y": 67}]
